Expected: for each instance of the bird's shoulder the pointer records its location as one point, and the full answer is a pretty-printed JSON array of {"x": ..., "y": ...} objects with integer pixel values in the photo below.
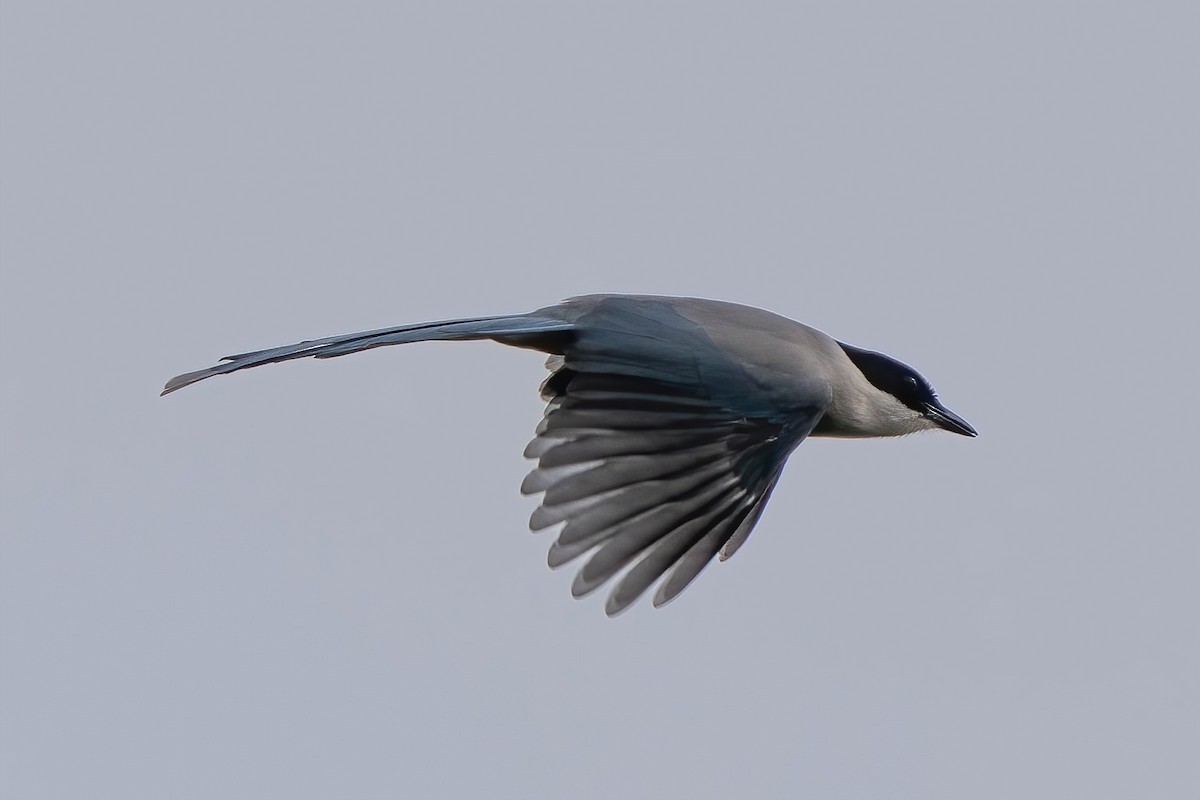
[{"x": 739, "y": 350}]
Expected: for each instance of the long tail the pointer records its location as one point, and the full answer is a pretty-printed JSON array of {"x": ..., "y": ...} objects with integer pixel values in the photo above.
[{"x": 512, "y": 329}]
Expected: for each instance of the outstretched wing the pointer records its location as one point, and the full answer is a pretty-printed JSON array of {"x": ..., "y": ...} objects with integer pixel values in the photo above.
[{"x": 648, "y": 472}]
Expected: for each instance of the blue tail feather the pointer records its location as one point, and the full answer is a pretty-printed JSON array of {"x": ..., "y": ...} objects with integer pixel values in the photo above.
[{"x": 449, "y": 330}]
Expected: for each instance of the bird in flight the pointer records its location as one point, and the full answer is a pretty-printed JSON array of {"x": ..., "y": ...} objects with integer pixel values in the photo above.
[{"x": 668, "y": 421}]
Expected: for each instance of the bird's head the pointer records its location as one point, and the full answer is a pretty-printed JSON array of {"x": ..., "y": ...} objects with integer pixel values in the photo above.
[{"x": 909, "y": 388}]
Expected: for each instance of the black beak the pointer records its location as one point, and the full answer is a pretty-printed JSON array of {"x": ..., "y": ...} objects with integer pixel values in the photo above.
[{"x": 947, "y": 419}]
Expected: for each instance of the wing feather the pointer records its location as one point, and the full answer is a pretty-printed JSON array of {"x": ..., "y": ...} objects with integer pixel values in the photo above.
[
  {"x": 669, "y": 551},
  {"x": 570, "y": 482},
  {"x": 649, "y": 475}
]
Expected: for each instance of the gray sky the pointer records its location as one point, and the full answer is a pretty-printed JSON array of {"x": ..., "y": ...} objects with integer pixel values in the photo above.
[{"x": 314, "y": 580}]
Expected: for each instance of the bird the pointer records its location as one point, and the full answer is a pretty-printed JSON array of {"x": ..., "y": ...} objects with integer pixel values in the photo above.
[{"x": 668, "y": 422}]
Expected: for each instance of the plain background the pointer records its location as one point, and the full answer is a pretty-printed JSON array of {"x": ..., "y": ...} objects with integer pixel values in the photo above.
[{"x": 313, "y": 580}]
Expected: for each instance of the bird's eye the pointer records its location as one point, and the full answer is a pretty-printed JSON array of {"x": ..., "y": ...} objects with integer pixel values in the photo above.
[{"x": 912, "y": 381}]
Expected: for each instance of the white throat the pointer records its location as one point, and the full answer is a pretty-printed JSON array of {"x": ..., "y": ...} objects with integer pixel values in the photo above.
[{"x": 865, "y": 411}]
